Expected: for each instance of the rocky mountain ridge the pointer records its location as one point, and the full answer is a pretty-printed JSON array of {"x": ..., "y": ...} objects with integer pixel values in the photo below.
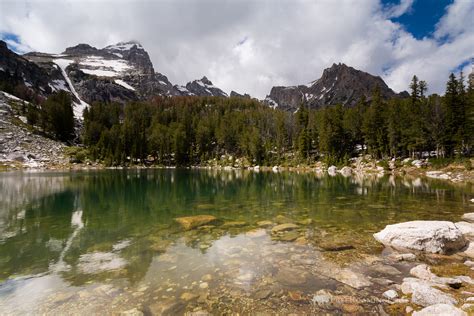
[
  {"x": 124, "y": 72},
  {"x": 339, "y": 84},
  {"x": 115, "y": 73}
]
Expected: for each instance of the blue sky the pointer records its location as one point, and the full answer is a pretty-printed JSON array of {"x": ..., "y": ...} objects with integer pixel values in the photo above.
[
  {"x": 423, "y": 16},
  {"x": 251, "y": 45}
]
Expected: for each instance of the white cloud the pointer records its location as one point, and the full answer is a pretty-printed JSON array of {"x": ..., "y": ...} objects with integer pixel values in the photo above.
[
  {"x": 458, "y": 19},
  {"x": 395, "y": 11},
  {"x": 249, "y": 46}
]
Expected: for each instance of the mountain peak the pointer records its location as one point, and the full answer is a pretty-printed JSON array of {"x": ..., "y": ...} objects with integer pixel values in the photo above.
[
  {"x": 339, "y": 84},
  {"x": 206, "y": 81},
  {"x": 125, "y": 46},
  {"x": 204, "y": 87}
]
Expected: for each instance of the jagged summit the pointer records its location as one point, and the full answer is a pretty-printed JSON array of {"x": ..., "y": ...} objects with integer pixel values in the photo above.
[
  {"x": 200, "y": 87},
  {"x": 339, "y": 84},
  {"x": 204, "y": 87}
]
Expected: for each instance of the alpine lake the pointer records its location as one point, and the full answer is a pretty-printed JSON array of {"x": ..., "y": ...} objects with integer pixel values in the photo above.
[{"x": 107, "y": 242}]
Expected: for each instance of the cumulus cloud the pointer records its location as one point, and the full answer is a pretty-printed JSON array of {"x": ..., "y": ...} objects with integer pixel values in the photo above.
[{"x": 249, "y": 46}]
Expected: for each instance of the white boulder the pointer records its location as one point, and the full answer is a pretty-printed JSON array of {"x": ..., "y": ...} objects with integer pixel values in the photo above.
[
  {"x": 425, "y": 295},
  {"x": 440, "y": 310},
  {"x": 467, "y": 229},
  {"x": 423, "y": 272},
  {"x": 468, "y": 217},
  {"x": 468, "y": 251},
  {"x": 332, "y": 170},
  {"x": 427, "y": 236}
]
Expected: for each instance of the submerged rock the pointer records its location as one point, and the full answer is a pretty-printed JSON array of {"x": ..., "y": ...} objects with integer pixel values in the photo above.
[
  {"x": 167, "y": 307},
  {"x": 280, "y": 219},
  {"x": 287, "y": 236},
  {"x": 290, "y": 276},
  {"x": 351, "y": 278},
  {"x": 335, "y": 246},
  {"x": 256, "y": 233},
  {"x": 234, "y": 224},
  {"x": 428, "y": 236},
  {"x": 284, "y": 227},
  {"x": 132, "y": 312},
  {"x": 262, "y": 294},
  {"x": 190, "y": 222},
  {"x": 187, "y": 296},
  {"x": 264, "y": 223},
  {"x": 305, "y": 222},
  {"x": 440, "y": 310}
]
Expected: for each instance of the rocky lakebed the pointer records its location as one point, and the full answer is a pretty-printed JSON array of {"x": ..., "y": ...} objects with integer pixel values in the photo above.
[{"x": 345, "y": 248}]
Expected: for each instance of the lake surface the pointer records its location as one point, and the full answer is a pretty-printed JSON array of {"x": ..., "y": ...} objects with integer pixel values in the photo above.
[{"x": 107, "y": 242}]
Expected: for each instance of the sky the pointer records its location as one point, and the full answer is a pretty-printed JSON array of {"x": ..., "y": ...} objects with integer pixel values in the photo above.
[{"x": 250, "y": 46}]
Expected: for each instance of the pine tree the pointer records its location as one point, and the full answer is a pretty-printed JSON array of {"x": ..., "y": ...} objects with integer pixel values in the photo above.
[
  {"x": 374, "y": 126},
  {"x": 57, "y": 116}
]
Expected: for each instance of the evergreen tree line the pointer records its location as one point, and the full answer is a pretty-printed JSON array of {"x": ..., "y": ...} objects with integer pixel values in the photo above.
[
  {"x": 54, "y": 115},
  {"x": 193, "y": 130}
]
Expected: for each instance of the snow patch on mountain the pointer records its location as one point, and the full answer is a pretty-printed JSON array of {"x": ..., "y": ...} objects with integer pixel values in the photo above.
[
  {"x": 271, "y": 103},
  {"x": 98, "y": 66},
  {"x": 78, "y": 106},
  {"x": 58, "y": 85},
  {"x": 124, "y": 84},
  {"x": 124, "y": 46}
]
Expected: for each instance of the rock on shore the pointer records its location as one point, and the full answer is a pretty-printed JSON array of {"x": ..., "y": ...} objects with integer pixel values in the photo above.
[
  {"x": 429, "y": 236},
  {"x": 440, "y": 310}
]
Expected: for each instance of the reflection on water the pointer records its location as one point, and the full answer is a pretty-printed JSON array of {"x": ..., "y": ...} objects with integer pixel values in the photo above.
[{"x": 106, "y": 240}]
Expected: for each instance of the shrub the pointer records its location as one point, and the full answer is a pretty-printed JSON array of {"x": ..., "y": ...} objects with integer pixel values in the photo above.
[
  {"x": 77, "y": 154},
  {"x": 467, "y": 164}
]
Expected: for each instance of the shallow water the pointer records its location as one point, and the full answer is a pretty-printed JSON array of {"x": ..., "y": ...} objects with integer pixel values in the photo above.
[{"x": 106, "y": 241}]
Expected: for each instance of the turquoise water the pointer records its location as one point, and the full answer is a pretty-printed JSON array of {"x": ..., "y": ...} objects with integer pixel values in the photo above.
[{"x": 106, "y": 241}]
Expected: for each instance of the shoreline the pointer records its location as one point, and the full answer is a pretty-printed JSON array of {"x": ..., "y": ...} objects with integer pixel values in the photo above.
[{"x": 361, "y": 166}]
